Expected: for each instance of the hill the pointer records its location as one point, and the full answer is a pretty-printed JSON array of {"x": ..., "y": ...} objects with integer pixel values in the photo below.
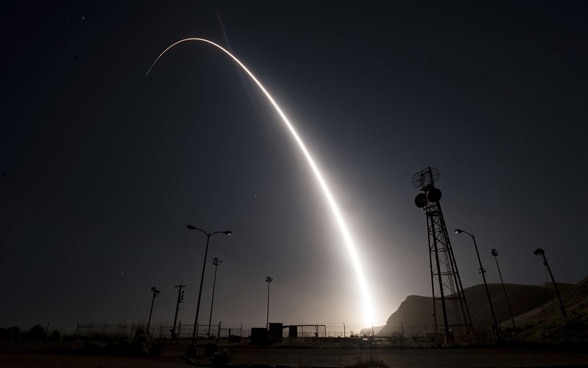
[
  {"x": 536, "y": 310},
  {"x": 546, "y": 324}
]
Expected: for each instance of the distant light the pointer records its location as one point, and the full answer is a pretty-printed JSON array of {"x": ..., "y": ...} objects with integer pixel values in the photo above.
[{"x": 458, "y": 231}]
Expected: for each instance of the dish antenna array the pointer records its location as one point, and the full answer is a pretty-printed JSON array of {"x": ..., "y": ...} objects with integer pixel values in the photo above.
[{"x": 451, "y": 314}]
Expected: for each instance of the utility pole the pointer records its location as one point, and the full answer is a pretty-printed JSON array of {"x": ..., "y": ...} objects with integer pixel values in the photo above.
[
  {"x": 268, "y": 280},
  {"x": 180, "y": 300},
  {"x": 215, "y": 262},
  {"x": 155, "y": 292}
]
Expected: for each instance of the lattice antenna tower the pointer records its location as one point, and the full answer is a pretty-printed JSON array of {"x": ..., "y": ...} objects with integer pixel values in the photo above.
[{"x": 451, "y": 314}]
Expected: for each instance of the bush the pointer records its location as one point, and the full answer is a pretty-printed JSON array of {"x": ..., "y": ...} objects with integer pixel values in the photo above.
[
  {"x": 220, "y": 358},
  {"x": 372, "y": 360},
  {"x": 55, "y": 336},
  {"x": 36, "y": 333},
  {"x": 139, "y": 344},
  {"x": 10, "y": 334}
]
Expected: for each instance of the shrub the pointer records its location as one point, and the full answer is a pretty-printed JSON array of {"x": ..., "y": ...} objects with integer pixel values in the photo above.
[
  {"x": 372, "y": 360},
  {"x": 55, "y": 336},
  {"x": 36, "y": 333},
  {"x": 5, "y": 334},
  {"x": 220, "y": 358}
]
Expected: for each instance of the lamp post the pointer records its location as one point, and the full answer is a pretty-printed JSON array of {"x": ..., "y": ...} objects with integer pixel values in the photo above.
[
  {"x": 215, "y": 262},
  {"x": 268, "y": 280},
  {"x": 562, "y": 308},
  {"x": 208, "y": 235},
  {"x": 483, "y": 272},
  {"x": 155, "y": 292},
  {"x": 494, "y": 253}
]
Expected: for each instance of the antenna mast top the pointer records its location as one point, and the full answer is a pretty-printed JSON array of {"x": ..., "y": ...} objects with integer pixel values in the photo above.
[{"x": 425, "y": 177}]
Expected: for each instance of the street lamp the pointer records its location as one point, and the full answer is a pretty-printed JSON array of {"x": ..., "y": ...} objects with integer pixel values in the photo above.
[
  {"x": 494, "y": 253},
  {"x": 215, "y": 262},
  {"x": 541, "y": 252},
  {"x": 483, "y": 272},
  {"x": 155, "y": 292},
  {"x": 268, "y": 280},
  {"x": 208, "y": 235}
]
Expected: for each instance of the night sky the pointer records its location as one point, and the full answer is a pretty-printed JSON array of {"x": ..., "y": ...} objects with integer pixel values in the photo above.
[{"x": 103, "y": 167}]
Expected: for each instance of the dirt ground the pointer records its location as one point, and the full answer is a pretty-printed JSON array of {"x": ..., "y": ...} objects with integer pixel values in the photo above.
[
  {"x": 323, "y": 358},
  {"x": 490, "y": 357}
]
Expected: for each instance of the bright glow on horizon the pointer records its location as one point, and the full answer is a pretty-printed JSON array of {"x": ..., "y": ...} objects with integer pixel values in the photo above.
[{"x": 368, "y": 314}]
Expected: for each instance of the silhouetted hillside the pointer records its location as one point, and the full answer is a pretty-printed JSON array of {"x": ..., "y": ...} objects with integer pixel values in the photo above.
[
  {"x": 414, "y": 316},
  {"x": 547, "y": 324}
]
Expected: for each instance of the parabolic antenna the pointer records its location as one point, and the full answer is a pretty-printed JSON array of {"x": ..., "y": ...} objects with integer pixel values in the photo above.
[
  {"x": 425, "y": 177},
  {"x": 421, "y": 200}
]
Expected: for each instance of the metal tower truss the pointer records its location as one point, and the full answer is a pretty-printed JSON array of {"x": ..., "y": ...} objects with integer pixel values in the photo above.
[{"x": 451, "y": 314}]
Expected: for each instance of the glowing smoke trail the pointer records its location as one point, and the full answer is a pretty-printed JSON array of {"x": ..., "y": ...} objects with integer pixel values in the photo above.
[{"x": 367, "y": 303}]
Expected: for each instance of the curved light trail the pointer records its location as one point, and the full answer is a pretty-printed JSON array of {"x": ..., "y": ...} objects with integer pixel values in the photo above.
[{"x": 365, "y": 294}]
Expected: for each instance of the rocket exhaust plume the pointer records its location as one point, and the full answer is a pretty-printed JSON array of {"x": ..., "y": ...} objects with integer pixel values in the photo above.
[{"x": 351, "y": 249}]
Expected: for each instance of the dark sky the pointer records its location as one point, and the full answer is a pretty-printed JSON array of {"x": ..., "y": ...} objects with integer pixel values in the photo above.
[{"x": 104, "y": 167}]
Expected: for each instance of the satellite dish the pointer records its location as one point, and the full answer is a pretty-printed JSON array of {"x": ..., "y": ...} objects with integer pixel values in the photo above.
[
  {"x": 417, "y": 180},
  {"x": 421, "y": 200},
  {"x": 425, "y": 177}
]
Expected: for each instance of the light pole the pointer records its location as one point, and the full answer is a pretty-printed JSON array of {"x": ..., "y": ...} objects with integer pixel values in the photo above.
[
  {"x": 155, "y": 292},
  {"x": 208, "y": 235},
  {"x": 562, "y": 308},
  {"x": 494, "y": 253},
  {"x": 215, "y": 262},
  {"x": 268, "y": 280},
  {"x": 483, "y": 272}
]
